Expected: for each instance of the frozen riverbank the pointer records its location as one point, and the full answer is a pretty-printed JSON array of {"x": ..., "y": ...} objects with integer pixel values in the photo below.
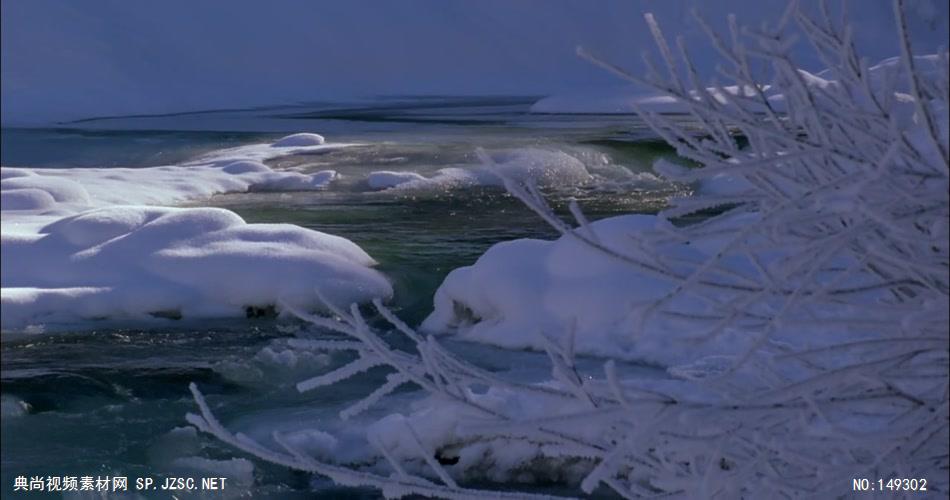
[{"x": 104, "y": 243}]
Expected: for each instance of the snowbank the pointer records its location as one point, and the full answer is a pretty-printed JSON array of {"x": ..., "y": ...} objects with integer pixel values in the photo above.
[
  {"x": 301, "y": 139},
  {"x": 62, "y": 62},
  {"x": 385, "y": 179},
  {"x": 520, "y": 291},
  {"x": 95, "y": 243}
]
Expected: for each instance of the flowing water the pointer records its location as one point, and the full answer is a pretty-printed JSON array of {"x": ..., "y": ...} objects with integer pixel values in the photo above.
[{"x": 109, "y": 398}]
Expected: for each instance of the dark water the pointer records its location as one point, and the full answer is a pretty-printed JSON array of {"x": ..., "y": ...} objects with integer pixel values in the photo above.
[{"x": 110, "y": 398}]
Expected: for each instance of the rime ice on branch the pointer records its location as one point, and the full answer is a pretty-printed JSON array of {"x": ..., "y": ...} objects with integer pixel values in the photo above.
[{"x": 824, "y": 242}]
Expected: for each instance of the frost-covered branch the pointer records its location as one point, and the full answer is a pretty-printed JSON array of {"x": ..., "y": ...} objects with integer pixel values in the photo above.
[{"x": 818, "y": 240}]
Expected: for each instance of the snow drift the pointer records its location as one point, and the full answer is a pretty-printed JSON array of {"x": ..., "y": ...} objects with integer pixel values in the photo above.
[
  {"x": 62, "y": 61},
  {"x": 96, "y": 243}
]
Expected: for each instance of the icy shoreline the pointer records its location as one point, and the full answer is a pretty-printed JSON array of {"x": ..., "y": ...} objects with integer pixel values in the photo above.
[{"x": 78, "y": 244}]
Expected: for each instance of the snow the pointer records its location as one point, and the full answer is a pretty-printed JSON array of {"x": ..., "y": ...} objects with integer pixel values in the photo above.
[
  {"x": 731, "y": 305},
  {"x": 521, "y": 289},
  {"x": 628, "y": 99},
  {"x": 293, "y": 144},
  {"x": 484, "y": 450},
  {"x": 12, "y": 407},
  {"x": 631, "y": 99},
  {"x": 301, "y": 139},
  {"x": 520, "y": 293},
  {"x": 80, "y": 244}
]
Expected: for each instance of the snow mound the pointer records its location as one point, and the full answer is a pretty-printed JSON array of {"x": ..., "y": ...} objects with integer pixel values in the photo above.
[
  {"x": 628, "y": 99},
  {"x": 81, "y": 244},
  {"x": 521, "y": 291},
  {"x": 302, "y": 139},
  {"x": 10, "y": 173},
  {"x": 607, "y": 100},
  {"x": 546, "y": 167},
  {"x": 176, "y": 262}
]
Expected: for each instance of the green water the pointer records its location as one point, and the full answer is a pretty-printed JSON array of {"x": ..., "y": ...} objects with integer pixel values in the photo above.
[{"x": 106, "y": 399}]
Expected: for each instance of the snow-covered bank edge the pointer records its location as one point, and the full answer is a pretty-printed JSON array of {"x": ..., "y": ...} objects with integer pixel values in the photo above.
[{"x": 85, "y": 244}]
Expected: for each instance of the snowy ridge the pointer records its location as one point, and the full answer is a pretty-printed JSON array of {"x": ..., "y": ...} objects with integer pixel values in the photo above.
[{"x": 97, "y": 243}]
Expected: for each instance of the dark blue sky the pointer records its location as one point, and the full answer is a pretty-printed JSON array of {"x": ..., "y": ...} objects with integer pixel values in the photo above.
[{"x": 63, "y": 59}]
